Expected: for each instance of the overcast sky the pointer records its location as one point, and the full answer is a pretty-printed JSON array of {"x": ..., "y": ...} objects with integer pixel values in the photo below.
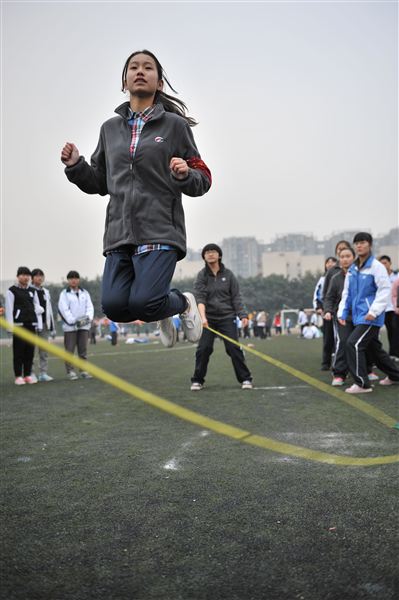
[{"x": 297, "y": 106}]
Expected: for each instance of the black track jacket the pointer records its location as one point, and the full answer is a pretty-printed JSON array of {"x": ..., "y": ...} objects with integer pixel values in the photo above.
[{"x": 220, "y": 293}]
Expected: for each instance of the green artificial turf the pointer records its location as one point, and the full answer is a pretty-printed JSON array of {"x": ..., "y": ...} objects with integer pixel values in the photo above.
[{"x": 105, "y": 497}]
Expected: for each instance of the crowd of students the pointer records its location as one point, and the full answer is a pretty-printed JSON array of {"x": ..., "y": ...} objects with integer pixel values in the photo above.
[{"x": 355, "y": 297}]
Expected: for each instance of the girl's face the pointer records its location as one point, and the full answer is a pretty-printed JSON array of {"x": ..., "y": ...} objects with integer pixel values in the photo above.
[
  {"x": 340, "y": 247},
  {"x": 142, "y": 76},
  {"x": 345, "y": 259},
  {"x": 330, "y": 263},
  {"x": 38, "y": 280}
]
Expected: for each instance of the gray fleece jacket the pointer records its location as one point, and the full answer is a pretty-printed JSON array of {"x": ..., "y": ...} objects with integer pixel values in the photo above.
[{"x": 145, "y": 203}]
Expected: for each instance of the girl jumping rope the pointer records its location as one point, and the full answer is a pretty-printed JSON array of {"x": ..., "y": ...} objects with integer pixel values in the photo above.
[{"x": 145, "y": 159}]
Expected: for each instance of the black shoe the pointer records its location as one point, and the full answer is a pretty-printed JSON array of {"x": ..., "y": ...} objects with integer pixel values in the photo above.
[{"x": 325, "y": 368}]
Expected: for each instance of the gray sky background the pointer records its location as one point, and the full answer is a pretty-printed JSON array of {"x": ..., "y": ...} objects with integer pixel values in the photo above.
[{"x": 297, "y": 104}]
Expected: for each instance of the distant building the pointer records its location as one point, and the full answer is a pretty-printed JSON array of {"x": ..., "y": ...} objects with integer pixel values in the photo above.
[
  {"x": 290, "y": 255},
  {"x": 186, "y": 269},
  {"x": 291, "y": 265},
  {"x": 242, "y": 255},
  {"x": 304, "y": 243}
]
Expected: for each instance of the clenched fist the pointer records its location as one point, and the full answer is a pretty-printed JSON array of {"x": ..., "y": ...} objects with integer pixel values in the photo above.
[{"x": 69, "y": 154}]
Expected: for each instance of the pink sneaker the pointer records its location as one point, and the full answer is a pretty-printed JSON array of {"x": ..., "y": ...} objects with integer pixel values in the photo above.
[
  {"x": 373, "y": 376},
  {"x": 30, "y": 379},
  {"x": 356, "y": 389},
  {"x": 337, "y": 381},
  {"x": 19, "y": 381},
  {"x": 388, "y": 381}
]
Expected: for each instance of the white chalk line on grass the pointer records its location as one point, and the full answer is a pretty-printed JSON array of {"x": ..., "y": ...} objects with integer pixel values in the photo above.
[
  {"x": 280, "y": 387},
  {"x": 174, "y": 464}
]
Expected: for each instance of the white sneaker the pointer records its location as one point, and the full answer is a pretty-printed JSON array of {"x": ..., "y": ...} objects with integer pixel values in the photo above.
[
  {"x": 196, "y": 387},
  {"x": 167, "y": 332},
  {"x": 191, "y": 319},
  {"x": 19, "y": 381},
  {"x": 30, "y": 378},
  {"x": 86, "y": 375},
  {"x": 72, "y": 376},
  {"x": 247, "y": 385},
  {"x": 356, "y": 389},
  {"x": 45, "y": 377}
]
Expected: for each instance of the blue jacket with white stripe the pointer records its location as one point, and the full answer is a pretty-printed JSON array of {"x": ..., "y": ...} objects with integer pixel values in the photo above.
[{"x": 366, "y": 290}]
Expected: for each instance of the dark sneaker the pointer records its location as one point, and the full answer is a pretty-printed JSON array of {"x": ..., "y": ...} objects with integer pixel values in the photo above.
[{"x": 86, "y": 375}]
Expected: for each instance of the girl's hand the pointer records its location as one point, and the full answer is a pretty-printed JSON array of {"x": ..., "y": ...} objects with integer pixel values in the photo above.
[
  {"x": 69, "y": 154},
  {"x": 179, "y": 168},
  {"x": 327, "y": 316},
  {"x": 342, "y": 322},
  {"x": 370, "y": 317}
]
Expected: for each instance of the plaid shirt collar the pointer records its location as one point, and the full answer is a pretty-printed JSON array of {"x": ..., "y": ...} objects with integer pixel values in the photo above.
[
  {"x": 137, "y": 121},
  {"x": 144, "y": 114}
]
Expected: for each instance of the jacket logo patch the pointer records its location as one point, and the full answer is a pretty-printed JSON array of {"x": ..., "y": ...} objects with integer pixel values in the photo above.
[
  {"x": 159, "y": 139},
  {"x": 223, "y": 278}
]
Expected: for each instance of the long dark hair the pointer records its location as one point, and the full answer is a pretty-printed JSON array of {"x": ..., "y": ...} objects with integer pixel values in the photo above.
[{"x": 170, "y": 103}]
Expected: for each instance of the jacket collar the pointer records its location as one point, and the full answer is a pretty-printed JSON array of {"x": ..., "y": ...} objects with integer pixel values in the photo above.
[
  {"x": 123, "y": 110},
  {"x": 209, "y": 270},
  {"x": 365, "y": 264}
]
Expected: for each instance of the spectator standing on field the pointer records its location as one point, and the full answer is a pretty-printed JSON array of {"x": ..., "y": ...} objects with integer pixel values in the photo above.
[
  {"x": 261, "y": 320},
  {"x": 46, "y": 324},
  {"x": 93, "y": 331},
  {"x": 327, "y": 327},
  {"x": 219, "y": 303},
  {"x": 302, "y": 320},
  {"x": 76, "y": 310},
  {"x": 288, "y": 325},
  {"x": 277, "y": 324},
  {"x": 23, "y": 310},
  {"x": 391, "y": 318},
  {"x": 114, "y": 330}
]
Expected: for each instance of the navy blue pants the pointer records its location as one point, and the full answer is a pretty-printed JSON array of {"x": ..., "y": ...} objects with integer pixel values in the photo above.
[{"x": 138, "y": 287}]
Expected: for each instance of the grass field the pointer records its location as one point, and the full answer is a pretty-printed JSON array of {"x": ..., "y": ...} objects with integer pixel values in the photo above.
[{"x": 106, "y": 497}]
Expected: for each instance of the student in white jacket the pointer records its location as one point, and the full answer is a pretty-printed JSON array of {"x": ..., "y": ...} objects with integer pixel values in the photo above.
[{"x": 76, "y": 310}]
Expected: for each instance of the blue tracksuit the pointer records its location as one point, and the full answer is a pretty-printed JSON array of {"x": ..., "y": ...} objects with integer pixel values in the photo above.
[{"x": 366, "y": 290}]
